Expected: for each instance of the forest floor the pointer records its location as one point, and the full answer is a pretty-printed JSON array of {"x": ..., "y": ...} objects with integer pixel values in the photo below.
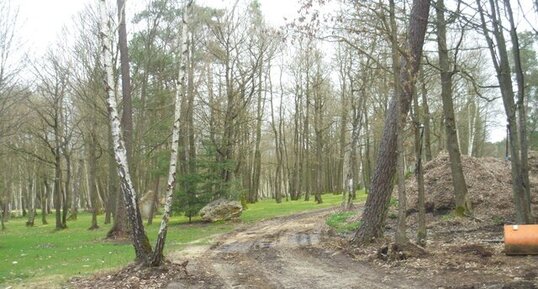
[{"x": 301, "y": 251}]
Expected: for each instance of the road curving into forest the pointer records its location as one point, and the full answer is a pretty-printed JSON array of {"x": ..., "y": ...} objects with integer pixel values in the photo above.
[{"x": 284, "y": 252}]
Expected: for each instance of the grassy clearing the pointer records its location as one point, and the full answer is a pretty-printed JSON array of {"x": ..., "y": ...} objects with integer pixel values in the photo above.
[{"x": 41, "y": 257}]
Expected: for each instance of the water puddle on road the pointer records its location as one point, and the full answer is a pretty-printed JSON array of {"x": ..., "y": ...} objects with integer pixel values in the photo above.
[{"x": 303, "y": 239}]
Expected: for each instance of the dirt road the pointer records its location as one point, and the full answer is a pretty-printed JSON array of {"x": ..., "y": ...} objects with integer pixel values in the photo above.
[{"x": 281, "y": 253}]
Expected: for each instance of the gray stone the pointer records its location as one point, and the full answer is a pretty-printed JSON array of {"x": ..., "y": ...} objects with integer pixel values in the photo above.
[{"x": 221, "y": 209}]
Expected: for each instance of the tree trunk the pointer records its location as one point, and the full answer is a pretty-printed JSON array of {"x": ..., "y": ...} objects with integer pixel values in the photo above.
[
  {"x": 521, "y": 105},
  {"x": 44, "y": 200},
  {"x": 157, "y": 257},
  {"x": 463, "y": 205},
  {"x": 120, "y": 227},
  {"x": 67, "y": 190},
  {"x": 427, "y": 118},
  {"x": 139, "y": 237},
  {"x": 375, "y": 210},
  {"x": 419, "y": 174},
  {"x": 297, "y": 148},
  {"x": 76, "y": 190},
  {"x": 318, "y": 110},
  {"x": 32, "y": 198},
  {"x": 344, "y": 109},
  {"x": 401, "y": 235},
  {"x": 401, "y": 230},
  {"x": 366, "y": 163},
  {"x": 3, "y": 209},
  {"x": 499, "y": 56},
  {"x": 278, "y": 150},
  {"x": 306, "y": 132},
  {"x": 92, "y": 173},
  {"x": 257, "y": 166},
  {"x": 58, "y": 189}
]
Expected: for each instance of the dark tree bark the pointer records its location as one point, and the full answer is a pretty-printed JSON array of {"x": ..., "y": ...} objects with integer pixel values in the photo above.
[
  {"x": 521, "y": 103},
  {"x": 499, "y": 55},
  {"x": 401, "y": 235},
  {"x": 343, "y": 132},
  {"x": 76, "y": 190},
  {"x": 419, "y": 174},
  {"x": 255, "y": 183},
  {"x": 366, "y": 161},
  {"x": 58, "y": 189},
  {"x": 427, "y": 119},
  {"x": 463, "y": 205},
  {"x": 127, "y": 113},
  {"x": 44, "y": 199},
  {"x": 31, "y": 201},
  {"x": 92, "y": 175},
  {"x": 297, "y": 148},
  {"x": 375, "y": 210},
  {"x": 277, "y": 131},
  {"x": 120, "y": 228},
  {"x": 318, "y": 131},
  {"x": 67, "y": 188},
  {"x": 139, "y": 238}
]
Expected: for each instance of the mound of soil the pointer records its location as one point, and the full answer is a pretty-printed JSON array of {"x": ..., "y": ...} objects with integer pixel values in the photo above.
[
  {"x": 133, "y": 276},
  {"x": 489, "y": 185}
]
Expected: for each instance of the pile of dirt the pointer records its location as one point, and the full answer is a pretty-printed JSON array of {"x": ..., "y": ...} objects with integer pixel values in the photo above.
[
  {"x": 488, "y": 181},
  {"x": 470, "y": 250},
  {"x": 133, "y": 276}
]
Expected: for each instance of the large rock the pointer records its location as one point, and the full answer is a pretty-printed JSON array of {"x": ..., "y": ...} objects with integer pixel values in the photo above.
[{"x": 221, "y": 209}]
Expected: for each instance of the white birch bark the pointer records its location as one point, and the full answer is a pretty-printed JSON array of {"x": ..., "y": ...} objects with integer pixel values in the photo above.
[
  {"x": 140, "y": 240},
  {"x": 157, "y": 257},
  {"x": 472, "y": 113}
]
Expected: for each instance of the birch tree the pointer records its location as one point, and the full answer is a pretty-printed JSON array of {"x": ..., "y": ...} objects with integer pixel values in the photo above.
[
  {"x": 157, "y": 257},
  {"x": 139, "y": 237},
  {"x": 120, "y": 226}
]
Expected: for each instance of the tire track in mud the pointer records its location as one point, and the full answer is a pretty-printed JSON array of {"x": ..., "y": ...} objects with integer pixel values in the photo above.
[{"x": 279, "y": 253}]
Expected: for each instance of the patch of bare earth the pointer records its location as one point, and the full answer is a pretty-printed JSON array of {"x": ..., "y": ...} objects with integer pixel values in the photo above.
[
  {"x": 133, "y": 276},
  {"x": 288, "y": 252}
]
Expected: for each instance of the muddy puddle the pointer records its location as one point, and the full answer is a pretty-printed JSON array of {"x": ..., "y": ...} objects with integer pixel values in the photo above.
[{"x": 284, "y": 240}]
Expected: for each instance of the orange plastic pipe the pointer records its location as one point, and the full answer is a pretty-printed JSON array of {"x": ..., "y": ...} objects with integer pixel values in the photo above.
[{"x": 521, "y": 239}]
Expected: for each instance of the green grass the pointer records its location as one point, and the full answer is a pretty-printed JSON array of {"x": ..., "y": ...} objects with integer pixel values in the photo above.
[
  {"x": 339, "y": 221},
  {"x": 39, "y": 256},
  {"x": 269, "y": 208}
]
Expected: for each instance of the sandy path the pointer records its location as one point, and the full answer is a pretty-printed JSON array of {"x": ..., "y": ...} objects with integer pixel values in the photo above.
[{"x": 281, "y": 253}]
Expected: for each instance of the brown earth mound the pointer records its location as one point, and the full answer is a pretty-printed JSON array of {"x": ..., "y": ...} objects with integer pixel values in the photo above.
[
  {"x": 488, "y": 182},
  {"x": 133, "y": 276}
]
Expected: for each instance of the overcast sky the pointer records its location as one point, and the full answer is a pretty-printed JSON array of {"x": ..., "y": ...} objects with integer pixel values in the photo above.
[
  {"x": 41, "y": 23},
  {"x": 42, "y": 20}
]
